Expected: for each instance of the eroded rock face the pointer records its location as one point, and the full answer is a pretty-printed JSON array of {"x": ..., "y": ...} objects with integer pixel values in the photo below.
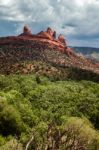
[
  {"x": 50, "y": 31},
  {"x": 62, "y": 39},
  {"x": 26, "y": 31},
  {"x": 48, "y": 34},
  {"x": 46, "y": 37},
  {"x": 54, "y": 34},
  {"x": 28, "y": 46}
]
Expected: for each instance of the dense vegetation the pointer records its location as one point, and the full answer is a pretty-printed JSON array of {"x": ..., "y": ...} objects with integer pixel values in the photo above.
[{"x": 38, "y": 113}]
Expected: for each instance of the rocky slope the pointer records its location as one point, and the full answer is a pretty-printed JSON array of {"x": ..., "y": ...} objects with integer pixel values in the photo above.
[
  {"x": 89, "y": 52},
  {"x": 27, "y": 53}
]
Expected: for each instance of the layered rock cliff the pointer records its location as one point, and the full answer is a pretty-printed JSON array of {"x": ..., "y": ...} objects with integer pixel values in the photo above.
[{"x": 48, "y": 36}]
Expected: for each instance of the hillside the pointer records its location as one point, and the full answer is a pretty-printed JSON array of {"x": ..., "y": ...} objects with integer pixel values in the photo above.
[
  {"x": 49, "y": 94},
  {"x": 44, "y": 54},
  {"x": 89, "y": 52}
]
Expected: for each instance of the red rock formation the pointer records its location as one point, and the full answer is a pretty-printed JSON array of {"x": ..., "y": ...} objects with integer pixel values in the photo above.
[
  {"x": 62, "y": 40},
  {"x": 69, "y": 51},
  {"x": 28, "y": 46},
  {"x": 50, "y": 32},
  {"x": 48, "y": 36},
  {"x": 54, "y": 34},
  {"x": 26, "y": 31},
  {"x": 44, "y": 35}
]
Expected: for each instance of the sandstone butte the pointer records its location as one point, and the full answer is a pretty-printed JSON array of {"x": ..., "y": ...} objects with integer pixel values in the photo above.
[{"x": 48, "y": 36}]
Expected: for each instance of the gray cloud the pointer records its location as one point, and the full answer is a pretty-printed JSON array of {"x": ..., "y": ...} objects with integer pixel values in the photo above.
[{"x": 77, "y": 19}]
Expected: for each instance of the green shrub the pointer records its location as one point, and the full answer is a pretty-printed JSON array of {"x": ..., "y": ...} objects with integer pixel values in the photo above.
[{"x": 10, "y": 121}]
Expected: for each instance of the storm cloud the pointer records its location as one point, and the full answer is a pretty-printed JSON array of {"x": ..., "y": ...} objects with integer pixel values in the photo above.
[{"x": 77, "y": 20}]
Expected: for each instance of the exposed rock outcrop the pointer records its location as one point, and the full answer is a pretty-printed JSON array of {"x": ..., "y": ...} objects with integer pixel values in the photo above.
[
  {"x": 46, "y": 37},
  {"x": 43, "y": 46},
  {"x": 62, "y": 40},
  {"x": 51, "y": 32},
  {"x": 26, "y": 31}
]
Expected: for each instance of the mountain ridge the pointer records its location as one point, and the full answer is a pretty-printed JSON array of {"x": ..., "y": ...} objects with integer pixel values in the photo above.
[{"x": 31, "y": 50}]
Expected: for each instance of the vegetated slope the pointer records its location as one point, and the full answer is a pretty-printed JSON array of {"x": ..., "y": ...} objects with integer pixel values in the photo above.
[
  {"x": 34, "y": 109},
  {"x": 89, "y": 52},
  {"x": 44, "y": 54},
  {"x": 46, "y": 61}
]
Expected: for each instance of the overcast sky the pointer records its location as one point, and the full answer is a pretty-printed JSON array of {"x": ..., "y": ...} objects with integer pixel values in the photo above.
[{"x": 77, "y": 20}]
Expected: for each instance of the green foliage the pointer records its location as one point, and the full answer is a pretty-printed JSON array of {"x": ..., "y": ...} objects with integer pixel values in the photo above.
[
  {"x": 10, "y": 120},
  {"x": 12, "y": 145},
  {"x": 2, "y": 140},
  {"x": 29, "y": 104},
  {"x": 38, "y": 79}
]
